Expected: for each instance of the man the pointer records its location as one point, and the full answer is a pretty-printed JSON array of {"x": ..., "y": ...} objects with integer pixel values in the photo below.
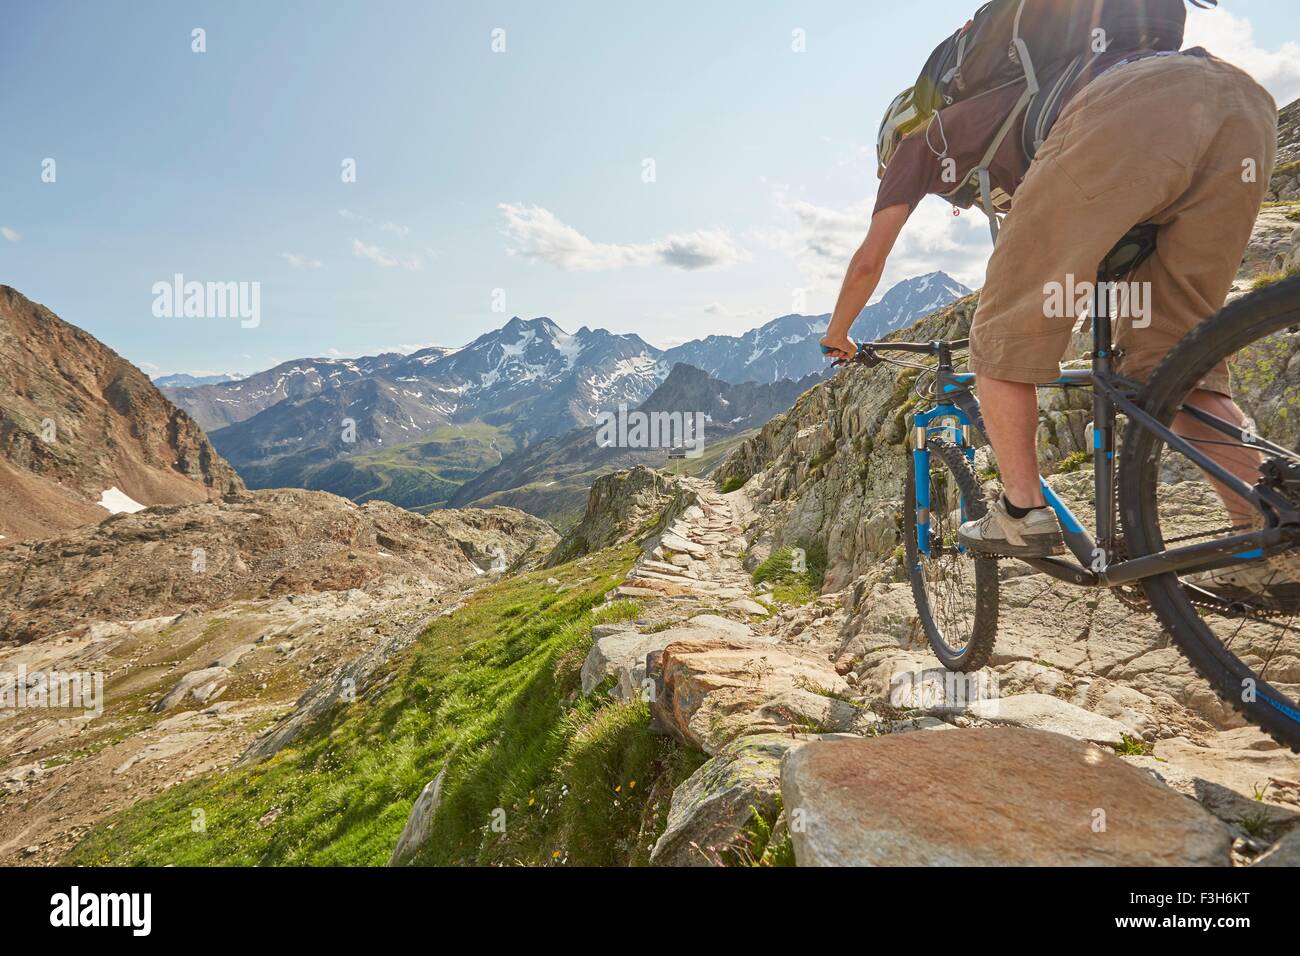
[{"x": 1148, "y": 135}]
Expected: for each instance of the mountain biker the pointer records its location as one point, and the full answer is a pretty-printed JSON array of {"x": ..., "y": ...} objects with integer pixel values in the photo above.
[{"x": 1148, "y": 134}]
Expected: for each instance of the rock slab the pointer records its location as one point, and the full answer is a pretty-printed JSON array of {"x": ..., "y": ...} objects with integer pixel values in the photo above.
[
  {"x": 1045, "y": 712},
  {"x": 990, "y": 796},
  {"x": 420, "y": 823}
]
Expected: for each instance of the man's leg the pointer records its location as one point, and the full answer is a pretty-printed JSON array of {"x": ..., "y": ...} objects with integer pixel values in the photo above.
[
  {"x": 1241, "y": 461},
  {"x": 1115, "y": 158},
  {"x": 1010, "y": 412}
]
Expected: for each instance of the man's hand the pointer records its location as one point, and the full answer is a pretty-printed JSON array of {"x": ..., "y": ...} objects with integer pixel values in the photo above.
[{"x": 839, "y": 347}]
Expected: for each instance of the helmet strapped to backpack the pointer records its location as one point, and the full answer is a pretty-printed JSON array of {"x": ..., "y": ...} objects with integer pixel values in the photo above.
[{"x": 1046, "y": 44}]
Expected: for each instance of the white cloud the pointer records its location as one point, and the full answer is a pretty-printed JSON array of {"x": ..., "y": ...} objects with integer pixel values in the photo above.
[
  {"x": 537, "y": 234},
  {"x": 297, "y": 261},
  {"x": 1232, "y": 38},
  {"x": 9, "y": 234},
  {"x": 334, "y": 353},
  {"x": 384, "y": 258},
  {"x": 823, "y": 239},
  {"x": 725, "y": 312},
  {"x": 387, "y": 226}
]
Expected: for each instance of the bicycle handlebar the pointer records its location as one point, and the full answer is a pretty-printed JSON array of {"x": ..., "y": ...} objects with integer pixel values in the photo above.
[{"x": 867, "y": 351}]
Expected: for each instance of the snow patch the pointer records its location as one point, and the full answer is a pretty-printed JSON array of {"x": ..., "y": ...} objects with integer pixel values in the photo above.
[{"x": 116, "y": 502}]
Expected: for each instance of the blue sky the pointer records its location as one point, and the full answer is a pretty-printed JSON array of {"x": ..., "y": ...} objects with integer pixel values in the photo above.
[{"x": 512, "y": 179}]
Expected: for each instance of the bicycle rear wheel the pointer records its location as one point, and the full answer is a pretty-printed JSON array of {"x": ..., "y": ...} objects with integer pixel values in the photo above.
[
  {"x": 956, "y": 591},
  {"x": 1247, "y": 645}
]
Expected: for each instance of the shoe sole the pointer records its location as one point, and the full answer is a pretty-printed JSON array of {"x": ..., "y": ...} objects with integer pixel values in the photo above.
[{"x": 1050, "y": 547}]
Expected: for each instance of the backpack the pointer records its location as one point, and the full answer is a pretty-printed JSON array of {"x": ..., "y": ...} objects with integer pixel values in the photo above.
[{"x": 1047, "y": 44}]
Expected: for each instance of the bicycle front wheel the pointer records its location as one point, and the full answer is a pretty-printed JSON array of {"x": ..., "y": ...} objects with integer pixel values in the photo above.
[
  {"x": 1241, "y": 633},
  {"x": 956, "y": 590}
]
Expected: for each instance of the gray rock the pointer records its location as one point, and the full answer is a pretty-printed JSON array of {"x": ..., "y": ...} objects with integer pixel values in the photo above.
[
  {"x": 712, "y": 809},
  {"x": 1042, "y": 712},
  {"x": 746, "y": 606},
  {"x": 1286, "y": 852},
  {"x": 201, "y": 685},
  {"x": 419, "y": 824}
]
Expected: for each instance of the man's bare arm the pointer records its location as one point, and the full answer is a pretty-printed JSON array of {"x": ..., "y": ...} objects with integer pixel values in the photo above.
[{"x": 863, "y": 275}]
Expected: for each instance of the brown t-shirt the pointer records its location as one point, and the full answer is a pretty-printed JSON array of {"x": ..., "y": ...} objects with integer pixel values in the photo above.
[{"x": 963, "y": 132}]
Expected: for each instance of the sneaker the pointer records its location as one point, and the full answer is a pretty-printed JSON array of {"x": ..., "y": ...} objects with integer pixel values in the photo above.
[
  {"x": 1258, "y": 584},
  {"x": 1037, "y": 535}
]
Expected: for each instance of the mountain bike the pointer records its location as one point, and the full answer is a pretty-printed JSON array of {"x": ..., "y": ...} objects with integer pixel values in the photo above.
[{"x": 1149, "y": 540}]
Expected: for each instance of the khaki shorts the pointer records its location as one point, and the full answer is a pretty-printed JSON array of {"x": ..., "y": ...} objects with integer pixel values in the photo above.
[{"x": 1185, "y": 142}]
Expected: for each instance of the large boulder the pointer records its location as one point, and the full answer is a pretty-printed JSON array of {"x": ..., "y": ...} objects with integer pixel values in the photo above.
[
  {"x": 994, "y": 796},
  {"x": 621, "y": 652},
  {"x": 715, "y": 691}
]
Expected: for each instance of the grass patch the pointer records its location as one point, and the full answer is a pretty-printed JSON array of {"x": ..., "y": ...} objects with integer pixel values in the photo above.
[
  {"x": 734, "y": 483},
  {"x": 1134, "y": 747},
  {"x": 490, "y": 694},
  {"x": 1073, "y": 462},
  {"x": 794, "y": 582},
  {"x": 1273, "y": 278},
  {"x": 1255, "y": 823}
]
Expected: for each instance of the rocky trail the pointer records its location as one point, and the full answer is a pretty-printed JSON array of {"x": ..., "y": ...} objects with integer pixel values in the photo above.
[{"x": 1088, "y": 741}]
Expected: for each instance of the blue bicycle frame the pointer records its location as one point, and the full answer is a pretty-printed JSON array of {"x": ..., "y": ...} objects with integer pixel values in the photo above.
[{"x": 958, "y": 414}]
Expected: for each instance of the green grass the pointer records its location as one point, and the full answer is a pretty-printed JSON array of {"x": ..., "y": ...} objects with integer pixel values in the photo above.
[
  {"x": 734, "y": 483},
  {"x": 416, "y": 474},
  {"x": 490, "y": 693},
  {"x": 1073, "y": 462},
  {"x": 1134, "y": 747},
  {"x": 1255, "y": 823},
  {"x": 1272, "y": 278},
  {"x": 790, "y": 586}
]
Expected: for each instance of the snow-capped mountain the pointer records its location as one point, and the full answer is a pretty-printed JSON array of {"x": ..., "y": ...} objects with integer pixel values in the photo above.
[
  {"x": 786, "y": 348},
  {"x": 783, "y": 348},
  {"x": 564, "y": 379},
  {"x": 298, "y": 424},
  {"x": 529, "y": 379},
  {"x": 551, "y": 478},
  {"x": 906, "y": 302},
  {"x": 224, "y": 403}
]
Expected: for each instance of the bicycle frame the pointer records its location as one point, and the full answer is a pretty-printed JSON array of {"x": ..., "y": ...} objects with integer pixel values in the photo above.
[{"x": 959, "y": 412}]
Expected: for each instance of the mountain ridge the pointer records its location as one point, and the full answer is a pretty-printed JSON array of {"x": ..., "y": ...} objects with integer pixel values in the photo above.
[
  {"x": 81, "y": 425},
  {"x": 327, "y": 424}
]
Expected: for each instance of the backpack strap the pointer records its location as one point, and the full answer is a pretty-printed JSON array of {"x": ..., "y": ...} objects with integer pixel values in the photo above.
[{"x": 1031, "y": 90}]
